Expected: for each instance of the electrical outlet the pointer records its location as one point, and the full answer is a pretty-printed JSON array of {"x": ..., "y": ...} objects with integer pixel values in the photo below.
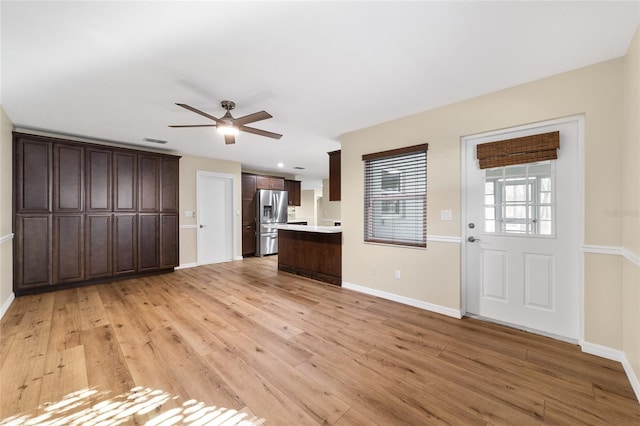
[{"x": 397, "y": 274}]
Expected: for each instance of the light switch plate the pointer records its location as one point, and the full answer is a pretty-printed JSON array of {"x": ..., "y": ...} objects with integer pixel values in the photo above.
[
  {"x": 446, "y": 215},
  {"x": 188, "y": 213}
]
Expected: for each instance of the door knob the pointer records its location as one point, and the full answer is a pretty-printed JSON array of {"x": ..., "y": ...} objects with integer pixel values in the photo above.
[{"x": 473, "y": 239}]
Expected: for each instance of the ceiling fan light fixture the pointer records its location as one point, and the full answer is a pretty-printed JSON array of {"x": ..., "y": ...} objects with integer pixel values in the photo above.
[{"x": 227, "y": 129}]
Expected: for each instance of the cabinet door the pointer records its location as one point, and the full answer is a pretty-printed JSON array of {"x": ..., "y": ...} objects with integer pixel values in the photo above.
[
  {"x": 170, "y": 185},
  {"x": 293, "y": 189},
  {"x": 33, "y": 252},
  {"x": 149, "y": 183},
  {"x": 32, "y": 184},
  {"x": 98, "y": 246},
  {"x": 249, "y": 240},
  {"x": 124, "y": 181},
  {"x": 169, "y": 241},
  {"x": 148, "y": 242},
  {"x": 68, "y": 252},
  {"x": 334, "y": 176},
  {"x": 68, "y": 178},
  {"x": 269, "y": 182},
  {"x": 249, "y": 187},
  {"x": 98, "y": 180},
  {"x": 124, "y": 244}
]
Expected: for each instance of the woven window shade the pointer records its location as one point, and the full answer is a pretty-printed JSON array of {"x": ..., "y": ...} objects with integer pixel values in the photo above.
[{"x": 527, "y": 149}]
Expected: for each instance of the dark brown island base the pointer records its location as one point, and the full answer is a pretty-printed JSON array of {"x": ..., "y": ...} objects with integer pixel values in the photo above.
[{"x": 311, "y": 251}]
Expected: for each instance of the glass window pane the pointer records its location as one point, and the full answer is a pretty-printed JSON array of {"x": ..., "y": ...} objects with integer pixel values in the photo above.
[
  {"x": 545, "y": 198},
  {"x": 545, "y": 184},
  {"x": 545, "y": 227},
  {"x": 545, "y": 212},
  {"x": 489, "y": 199},
  {"x": 488, "y": 188},
  {"x": 489, "y": 226},
  {"x": 489, "y": 213}
]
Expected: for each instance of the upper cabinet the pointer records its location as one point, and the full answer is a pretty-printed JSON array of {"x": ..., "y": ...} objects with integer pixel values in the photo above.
[
  {"x": 293, "y": 188},
  {"x": 170, "y": 174},
  {"x": 269, "y": 182},
  {"x": 33, "y": 167},
  {"x": 249, "y": 187},
  {"x": 98, "y": 179},
  {"x": 334, "y": 175}
]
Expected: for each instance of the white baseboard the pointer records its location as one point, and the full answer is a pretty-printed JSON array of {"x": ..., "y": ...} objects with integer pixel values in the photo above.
[
  {"x": 455, "y": 313},
  {"x": 238, "y": 258},
  {"x": 633, "y": 377},
  {"x": 601, "y": 351},
  {"x": 6, "y": 304},
  {"x": 186, "y": 265}
]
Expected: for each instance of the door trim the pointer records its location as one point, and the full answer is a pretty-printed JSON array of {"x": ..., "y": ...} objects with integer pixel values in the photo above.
[
  {"x": 579, "y": 219},
  {"x": 231, "y": 206}
]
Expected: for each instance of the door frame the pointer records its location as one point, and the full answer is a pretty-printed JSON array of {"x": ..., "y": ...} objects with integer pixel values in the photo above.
[
  {"x": 231, "y": 207},
  {"x": 580, "y": 220}
]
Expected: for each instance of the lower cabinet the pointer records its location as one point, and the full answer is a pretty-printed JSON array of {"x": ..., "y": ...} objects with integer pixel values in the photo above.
[
  {"x": 169, "y": 241},
  {"x": 148, "y": 242},
  {"x": 124, "y": 244},
  {"x": 68, "y": 238},
  {"x": 98, "y": 257},
  {"x": 33, "y": 267}
]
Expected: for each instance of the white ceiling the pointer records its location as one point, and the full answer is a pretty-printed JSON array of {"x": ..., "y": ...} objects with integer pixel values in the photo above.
[{"x": 114, "y": 70}]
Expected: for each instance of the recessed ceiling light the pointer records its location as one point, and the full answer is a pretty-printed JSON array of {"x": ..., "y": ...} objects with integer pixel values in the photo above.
[{"x": 280, "y": 165}]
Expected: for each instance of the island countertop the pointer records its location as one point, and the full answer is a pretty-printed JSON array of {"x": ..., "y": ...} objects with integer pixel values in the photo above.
[{"x": 310, "y": 228}]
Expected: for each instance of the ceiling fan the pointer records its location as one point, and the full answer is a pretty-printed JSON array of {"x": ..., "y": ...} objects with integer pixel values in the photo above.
[{"x": 229, "y": 126}]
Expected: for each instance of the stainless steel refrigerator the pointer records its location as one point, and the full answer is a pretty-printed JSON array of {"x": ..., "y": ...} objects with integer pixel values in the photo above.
[{"x": 271, "y": 210}]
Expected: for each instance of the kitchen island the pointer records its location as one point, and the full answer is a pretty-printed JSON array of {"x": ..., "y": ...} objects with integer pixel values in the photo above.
[{"x": 311, "y": 251}]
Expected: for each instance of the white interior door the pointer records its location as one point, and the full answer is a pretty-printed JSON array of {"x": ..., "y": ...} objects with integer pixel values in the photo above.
[
  {"x": 214, "y": 217},
  {"x": 523, "y": 234}
]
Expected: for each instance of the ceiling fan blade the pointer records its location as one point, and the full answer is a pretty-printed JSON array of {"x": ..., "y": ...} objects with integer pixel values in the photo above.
[
  {"x": 256, "y": 116},
  {"x": 229, "y": 139},
  {"x": 260, "y": 132},
  {"x": 193, "y": 125},
  {"x": 197, "y": 111}
]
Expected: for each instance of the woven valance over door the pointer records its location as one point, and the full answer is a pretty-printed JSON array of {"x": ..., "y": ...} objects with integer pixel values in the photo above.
[{"x": 527, "y": 149}]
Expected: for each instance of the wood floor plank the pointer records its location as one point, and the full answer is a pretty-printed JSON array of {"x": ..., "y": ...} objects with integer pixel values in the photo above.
[
  {"x": 242, "y": 341},
  {"x": 21, "y": 373},
  {"x": 64, "y": 373},
  {"x": 266, "y": 400}
]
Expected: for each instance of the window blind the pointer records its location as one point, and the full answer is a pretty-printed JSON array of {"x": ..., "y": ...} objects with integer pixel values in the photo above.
[
  {"x": 395, "y": 196},
  {"x": 527, "y": 149}
]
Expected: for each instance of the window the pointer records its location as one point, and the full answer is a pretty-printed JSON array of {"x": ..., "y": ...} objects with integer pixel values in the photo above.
[
  {"x": 520, "y": 199},
  {"x": 395, "y": 196}
]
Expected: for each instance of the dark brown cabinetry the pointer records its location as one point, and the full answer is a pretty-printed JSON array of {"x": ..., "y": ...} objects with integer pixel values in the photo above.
[
  {"x": 334, "y": 175},
  {"x": 249, "y": 188},
  {"x": 250, "y": 184},
  {"x": 294, "y": 193},
  {"x": 269, "y": 182},
  {"x": 87, "y": 212}
]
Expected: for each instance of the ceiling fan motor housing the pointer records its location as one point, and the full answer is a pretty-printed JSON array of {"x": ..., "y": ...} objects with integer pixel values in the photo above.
[{"x": 228, "y": 105}]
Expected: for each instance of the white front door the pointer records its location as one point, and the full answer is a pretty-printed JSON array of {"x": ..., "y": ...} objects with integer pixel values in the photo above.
[
  {"x": 214, "y": 217},
  {"x": 522, "y": 235}
]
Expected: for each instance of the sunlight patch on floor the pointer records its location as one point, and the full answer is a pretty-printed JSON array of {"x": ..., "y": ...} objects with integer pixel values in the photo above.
[{"x": 93, "y": 408}]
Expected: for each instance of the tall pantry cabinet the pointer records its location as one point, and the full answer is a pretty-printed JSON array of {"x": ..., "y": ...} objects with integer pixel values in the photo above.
[{"x": 85, "y": 213}]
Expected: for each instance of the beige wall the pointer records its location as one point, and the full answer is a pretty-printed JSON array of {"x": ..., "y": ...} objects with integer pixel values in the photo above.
[
  {"x": 188, "y": 167},
  {"x": 631, "y": 207},
  {"x": 432, "y": 275},
  {"x": 6, "y": 189},
  {"x": 307, "y": 209},
  {"x": 330, "y": 211}
]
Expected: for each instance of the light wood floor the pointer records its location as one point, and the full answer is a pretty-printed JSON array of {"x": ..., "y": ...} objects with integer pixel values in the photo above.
[{"x": 241, "y": 343}]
